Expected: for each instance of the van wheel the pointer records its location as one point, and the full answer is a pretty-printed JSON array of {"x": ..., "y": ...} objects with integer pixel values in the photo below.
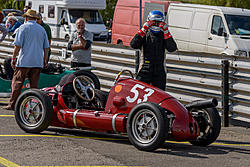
[{"x": 120, "y": 42}]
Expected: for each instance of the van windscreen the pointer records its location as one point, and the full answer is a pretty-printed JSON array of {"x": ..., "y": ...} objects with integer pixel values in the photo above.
[
  {"x": 91, "y": 16},
  {"x": 238, "y": 24}
]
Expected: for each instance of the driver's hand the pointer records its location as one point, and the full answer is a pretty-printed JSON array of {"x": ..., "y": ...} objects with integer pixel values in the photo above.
[
  {"x": 142, "y": 32},
  {"x": 164, "y": 28}
]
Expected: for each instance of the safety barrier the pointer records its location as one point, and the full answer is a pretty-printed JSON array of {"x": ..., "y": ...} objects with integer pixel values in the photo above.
[{"x": 190, "y": 76}]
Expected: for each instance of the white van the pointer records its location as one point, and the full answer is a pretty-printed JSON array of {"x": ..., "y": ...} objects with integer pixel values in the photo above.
[
  {"x": 62, "y": 14},
  {"x": 210, "y": 29}
]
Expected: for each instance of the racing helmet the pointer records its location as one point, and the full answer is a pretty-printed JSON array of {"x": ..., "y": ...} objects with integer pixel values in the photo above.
[{"x": 157, "y": 16}]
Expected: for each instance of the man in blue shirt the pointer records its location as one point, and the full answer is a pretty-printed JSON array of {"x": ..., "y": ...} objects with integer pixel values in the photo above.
[{"x": 32, "y": 45}]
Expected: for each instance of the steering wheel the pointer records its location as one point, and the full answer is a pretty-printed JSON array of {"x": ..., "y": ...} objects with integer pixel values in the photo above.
[
  {"x": 83, "y": 88},
  {"x": 123, "y": 71}
]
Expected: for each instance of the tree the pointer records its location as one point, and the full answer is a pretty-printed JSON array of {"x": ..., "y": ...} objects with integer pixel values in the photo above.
[
  {"x": 7, "y": 4},
  {"x": 109, "y": 11}
]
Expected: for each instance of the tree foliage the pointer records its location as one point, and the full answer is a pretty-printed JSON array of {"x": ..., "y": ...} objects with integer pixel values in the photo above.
[
  {"x": 8, "y": 4},
  {"x": 109, "y": 11}
]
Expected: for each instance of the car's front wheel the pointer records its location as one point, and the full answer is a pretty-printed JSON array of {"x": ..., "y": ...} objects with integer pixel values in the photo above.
[
  {"x": 33, "y": 111},
  {"x": 147, "y": 126}
]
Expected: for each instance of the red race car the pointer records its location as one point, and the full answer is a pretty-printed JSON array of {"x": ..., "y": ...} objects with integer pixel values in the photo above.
[{"x": 147, "y": 114}]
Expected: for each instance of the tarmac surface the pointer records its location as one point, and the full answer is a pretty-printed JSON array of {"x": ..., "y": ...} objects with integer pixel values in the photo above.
[{"x": 71, "y": 147}]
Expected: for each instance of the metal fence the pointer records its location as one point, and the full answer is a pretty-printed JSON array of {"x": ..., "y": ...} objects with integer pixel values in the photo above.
[{"x": 190, "y": 76}]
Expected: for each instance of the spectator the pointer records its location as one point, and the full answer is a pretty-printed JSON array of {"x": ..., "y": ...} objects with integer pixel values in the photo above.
[
  {"x": 25, "y": 8},
  {"x": 14, "y": 24},
  {"x": 7, "y": 24},
  {"x": 109, "y": 23},
  {"x": 80, "y": 43},
  {"x": 32, "y": 45},
  {"x": 153, "y": 39},
  {"x": 8, "y": 69},
  {"x": 47, "y": 29},
  {"x": 3, "y": 30},
  {"x": 109, "y": 35}
]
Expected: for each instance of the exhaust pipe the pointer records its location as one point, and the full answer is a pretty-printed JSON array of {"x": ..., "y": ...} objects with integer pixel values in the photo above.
[{"x": 202, "y": 104}]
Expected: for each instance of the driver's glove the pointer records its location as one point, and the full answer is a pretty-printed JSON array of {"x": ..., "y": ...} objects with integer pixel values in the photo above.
[
  {"x": 164, "y": 28},
  {"x": 142, "y": 32}
]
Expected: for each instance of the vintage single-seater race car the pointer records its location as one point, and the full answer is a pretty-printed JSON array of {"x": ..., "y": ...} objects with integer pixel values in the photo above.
[
  {"x": 49, "y": 76},
  {"x": 147, "y": 114}
]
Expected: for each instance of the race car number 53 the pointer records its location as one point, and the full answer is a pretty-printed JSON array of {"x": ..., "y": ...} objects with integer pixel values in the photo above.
[{"x": 139, "y": 89}]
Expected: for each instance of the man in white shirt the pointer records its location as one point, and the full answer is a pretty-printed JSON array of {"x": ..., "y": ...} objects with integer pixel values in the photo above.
[{"x": 80, "y": 43}]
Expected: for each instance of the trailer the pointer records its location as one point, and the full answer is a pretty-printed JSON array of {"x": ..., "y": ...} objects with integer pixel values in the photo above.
[{"x": 61, "y": 15}]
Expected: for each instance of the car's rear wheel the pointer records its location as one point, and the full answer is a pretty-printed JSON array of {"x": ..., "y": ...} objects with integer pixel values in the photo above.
[
  {"x": 33, "y": 111},
  {"x": 209, "y": 122},
  {"x": 147, "y": 126}
]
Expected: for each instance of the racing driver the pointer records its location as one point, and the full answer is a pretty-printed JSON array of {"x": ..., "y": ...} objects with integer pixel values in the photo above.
[{"x": 153, "y": 39}]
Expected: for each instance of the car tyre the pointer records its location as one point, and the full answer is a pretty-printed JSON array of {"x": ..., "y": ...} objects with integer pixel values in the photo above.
[
  {"x": 89, "y": 75},
  {"x": 210, "y": 126},
  {"x": 33, "y": 111},
  {"x": 147, "y": 126}
]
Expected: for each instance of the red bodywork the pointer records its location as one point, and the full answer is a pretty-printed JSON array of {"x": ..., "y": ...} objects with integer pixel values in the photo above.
[{"x": 122, "y": 97}]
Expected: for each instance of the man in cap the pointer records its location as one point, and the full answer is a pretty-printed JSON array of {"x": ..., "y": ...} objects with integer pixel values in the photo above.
[
  {"x": 153, "y": 39},
  {"x": 29, "y": 56}
]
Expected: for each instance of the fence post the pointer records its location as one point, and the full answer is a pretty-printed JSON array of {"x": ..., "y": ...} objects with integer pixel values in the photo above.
[
  {"x": 137, "y": 61},
  {"x": 225, "y": 92}
]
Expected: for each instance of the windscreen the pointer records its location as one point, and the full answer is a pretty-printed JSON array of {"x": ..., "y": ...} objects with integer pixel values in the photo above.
[
  {"x": 91, "y": 16},
  {"x": 238, "y": 24}
]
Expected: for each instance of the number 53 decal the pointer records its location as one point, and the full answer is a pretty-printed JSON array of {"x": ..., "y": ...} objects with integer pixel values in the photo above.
[{"x": 138, "y": 89}]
